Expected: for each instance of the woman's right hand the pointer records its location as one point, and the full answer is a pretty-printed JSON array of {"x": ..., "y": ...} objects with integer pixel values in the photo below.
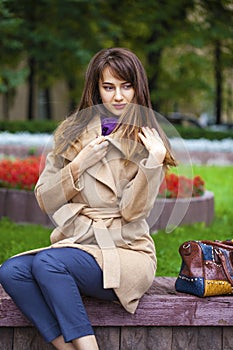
[{"x": 89, "y": 155}]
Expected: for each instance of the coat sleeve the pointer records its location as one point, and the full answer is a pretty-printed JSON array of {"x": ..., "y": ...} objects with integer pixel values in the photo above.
[
  {"x": 56, "y": 185},
  {"x": 140, "y": 193}
]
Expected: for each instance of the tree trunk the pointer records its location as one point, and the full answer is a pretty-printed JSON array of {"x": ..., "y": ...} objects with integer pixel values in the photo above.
[
  {"x": 71, "y": 87},
  {"x": 5, "y": 104},
  {"x": 48, "y": 107},
  {"x": 154, "y": 61},
  {"x": 229, "y": 106},
  {"x": 218, "y": 82},
  {"x": 31, "y": 89}
]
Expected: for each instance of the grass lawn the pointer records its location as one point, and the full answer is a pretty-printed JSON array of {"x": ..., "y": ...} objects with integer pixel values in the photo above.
[{"x": 17, "y": 238}]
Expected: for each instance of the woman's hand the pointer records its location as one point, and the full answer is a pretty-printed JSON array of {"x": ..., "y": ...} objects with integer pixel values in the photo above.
[
  {"x": 153, "y": 143},
  {"x": 89, "y": 155}
]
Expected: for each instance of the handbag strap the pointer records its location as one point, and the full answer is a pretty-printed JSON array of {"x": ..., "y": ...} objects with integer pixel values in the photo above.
[
  {"x": 224, "y": 265},
  {"x": 228, "y": 245},
  {"x": 221, "y": 244}
]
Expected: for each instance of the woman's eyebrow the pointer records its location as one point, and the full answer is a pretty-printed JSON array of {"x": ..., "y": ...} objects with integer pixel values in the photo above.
[{"x": 107, "y": 82}]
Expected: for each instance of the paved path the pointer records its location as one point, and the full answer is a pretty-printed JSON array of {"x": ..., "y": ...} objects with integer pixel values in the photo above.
[{"x": 211, "y": 158}]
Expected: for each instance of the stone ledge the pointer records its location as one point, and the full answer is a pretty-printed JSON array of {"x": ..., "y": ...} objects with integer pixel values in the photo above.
[
  {"x": 21, "y": 206},
  {"x": 182, "y": 211}
]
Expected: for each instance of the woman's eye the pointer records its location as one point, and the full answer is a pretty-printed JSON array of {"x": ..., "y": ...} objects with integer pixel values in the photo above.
[
  {"x": 108, "y": 88},
  {"x": 127, "y": 86}
]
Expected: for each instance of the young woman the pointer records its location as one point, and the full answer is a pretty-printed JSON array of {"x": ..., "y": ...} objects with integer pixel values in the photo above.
[{"x": 99, "y": 184}]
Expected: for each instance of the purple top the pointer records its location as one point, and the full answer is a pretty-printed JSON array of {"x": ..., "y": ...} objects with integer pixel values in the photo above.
[{"x": 108, "y": 125}]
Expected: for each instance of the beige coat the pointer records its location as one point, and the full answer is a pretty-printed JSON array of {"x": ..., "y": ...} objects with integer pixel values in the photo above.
[{"x": 104, "y": 213}]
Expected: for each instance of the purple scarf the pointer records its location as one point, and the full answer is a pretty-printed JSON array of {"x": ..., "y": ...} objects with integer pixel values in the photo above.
[{"x": 108, "y": 125}]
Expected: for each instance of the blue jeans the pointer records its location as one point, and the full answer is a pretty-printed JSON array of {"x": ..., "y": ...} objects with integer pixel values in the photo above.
[{"x": 47, "y": 288}]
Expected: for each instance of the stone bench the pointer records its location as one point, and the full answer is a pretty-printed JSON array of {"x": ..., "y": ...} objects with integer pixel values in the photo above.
[{"x": 164, "y": 320}]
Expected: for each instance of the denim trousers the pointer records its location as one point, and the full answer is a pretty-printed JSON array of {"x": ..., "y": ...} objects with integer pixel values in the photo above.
[{"x": 48, "y": 287}]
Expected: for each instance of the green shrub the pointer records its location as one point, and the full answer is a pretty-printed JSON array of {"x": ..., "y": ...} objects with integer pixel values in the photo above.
[
  {"x": 197, "y": 133},
  {"x": 48, "y": 126},
  {"x": 34, "y": 126}
]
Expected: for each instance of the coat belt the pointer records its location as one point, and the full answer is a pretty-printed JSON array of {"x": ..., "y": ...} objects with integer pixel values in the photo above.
[{"x": 111, "y": 259}]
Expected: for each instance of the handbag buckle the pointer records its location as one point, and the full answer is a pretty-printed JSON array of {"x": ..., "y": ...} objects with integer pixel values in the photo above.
[{"x": 186, "y": 245}]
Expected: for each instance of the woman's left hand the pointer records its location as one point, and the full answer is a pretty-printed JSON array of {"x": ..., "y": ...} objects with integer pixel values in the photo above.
[{"x": 153, "y": 143}]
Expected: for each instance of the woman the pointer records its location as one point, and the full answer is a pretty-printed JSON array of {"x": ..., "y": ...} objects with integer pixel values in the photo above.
[{"x": 99, "y": 184}]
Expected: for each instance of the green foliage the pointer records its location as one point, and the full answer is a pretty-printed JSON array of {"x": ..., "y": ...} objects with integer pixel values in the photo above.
[
  {"x": 175, "y": 41},
  {"x": 33, "y": 126},
  {"x": 197, "y": 133},
  {"x": 10, "y": 44},
  {"x": 11, "y": 50},
  {"x": 191, "y": 90},
  {"x": 10, "y": 79}
]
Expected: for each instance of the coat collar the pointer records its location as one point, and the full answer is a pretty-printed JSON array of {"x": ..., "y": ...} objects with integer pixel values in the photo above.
[
  {"x": 102, "y": 172},
  {"x": 92, "y": 131}
]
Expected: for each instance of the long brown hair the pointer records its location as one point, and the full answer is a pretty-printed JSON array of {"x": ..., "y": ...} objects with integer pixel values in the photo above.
[{"x": 126, "y": 66}]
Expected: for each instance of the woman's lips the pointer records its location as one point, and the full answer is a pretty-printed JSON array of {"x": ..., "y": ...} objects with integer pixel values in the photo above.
[{"x": 119, "y": 106}]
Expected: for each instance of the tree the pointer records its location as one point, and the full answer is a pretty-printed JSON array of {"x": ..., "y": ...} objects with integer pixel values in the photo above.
[
  {"x": 149, "y": 28},
  {"x": 34, "y": 34},
  {"x": 177, "y": 43},
  {"x": 10, "y": 48},
  {"x": 217, "y": 34},
  {"x": 57, "y": 42}
]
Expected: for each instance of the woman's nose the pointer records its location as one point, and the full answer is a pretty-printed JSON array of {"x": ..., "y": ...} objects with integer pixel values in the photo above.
[{"x": 118, "y": 95}]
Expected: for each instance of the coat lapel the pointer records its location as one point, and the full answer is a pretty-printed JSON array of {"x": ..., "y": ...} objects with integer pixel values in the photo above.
[
  {"x": 101, "y": 171},
  {"x": 92, "y": 131}
]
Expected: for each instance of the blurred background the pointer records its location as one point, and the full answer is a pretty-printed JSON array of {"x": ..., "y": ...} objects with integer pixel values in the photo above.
[{"x": 186, "y": 47}]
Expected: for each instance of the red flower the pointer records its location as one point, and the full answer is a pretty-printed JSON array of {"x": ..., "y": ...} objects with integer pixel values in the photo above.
[
  {"x": 21, "y": 173},
  {"x": 174, "y": 186}
]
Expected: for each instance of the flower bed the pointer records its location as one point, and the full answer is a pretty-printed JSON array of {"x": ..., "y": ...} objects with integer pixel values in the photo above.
[
  {"x": 23, "y": 174},
  {"x": 17, "y": 200},
  {"x": 174, "y": 186},
  {"x": 180, "y": 201},
  {"x": 20, "y": 173}
]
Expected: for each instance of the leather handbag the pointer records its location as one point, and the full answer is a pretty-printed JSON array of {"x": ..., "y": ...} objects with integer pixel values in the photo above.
[{"x": 206, "y": 269}]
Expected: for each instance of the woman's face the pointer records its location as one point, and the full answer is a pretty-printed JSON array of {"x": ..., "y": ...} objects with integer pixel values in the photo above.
[{"x": 115, "y": 93}]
